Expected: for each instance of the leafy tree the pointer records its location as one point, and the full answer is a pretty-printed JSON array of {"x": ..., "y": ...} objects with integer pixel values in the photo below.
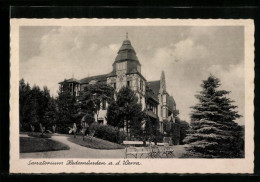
[
  {"x": 48, "y": 105},
  {"x": 184, "y": 127},
  {"x": 114, "y": 116},
  {"x": 214, "y": 131},
  {"x": 24, "y": 105},
  {"x": 68, "y": 110},
  {"x": 126, "y": 111},
  {"x": 94, "y": 95},
  {"x": 86, "y": 108},
  {"x": 35, "y": 106}
]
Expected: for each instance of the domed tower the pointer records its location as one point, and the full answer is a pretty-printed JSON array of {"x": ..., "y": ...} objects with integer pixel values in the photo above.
[{"x": 127, "y": 71}]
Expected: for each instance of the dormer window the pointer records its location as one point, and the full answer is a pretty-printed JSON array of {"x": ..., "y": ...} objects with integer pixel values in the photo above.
[{"x": 121, "y": 66}]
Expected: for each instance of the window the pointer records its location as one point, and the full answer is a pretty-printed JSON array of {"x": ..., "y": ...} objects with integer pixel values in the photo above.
[
  {"x": 100, "y": 121},
  {"x": 164, "y": 98},
  {"x": 121, "y": 66},
  {"x": 104, "y": 104},
  {"x": 114, "y": 85},
  {"x": 154, "y": 110},
  {"x": 141, "y": 85},
  {"x": 164, "y": 112},
  {"x": 141, "y": 99},
  {"x": 129, "y": 83}
]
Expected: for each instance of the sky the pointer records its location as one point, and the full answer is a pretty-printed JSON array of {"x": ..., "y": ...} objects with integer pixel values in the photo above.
[{"x": 187, "y": 54}]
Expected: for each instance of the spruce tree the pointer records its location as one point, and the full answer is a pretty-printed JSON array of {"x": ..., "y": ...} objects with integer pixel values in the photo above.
[{"x": 214, "y": 132}]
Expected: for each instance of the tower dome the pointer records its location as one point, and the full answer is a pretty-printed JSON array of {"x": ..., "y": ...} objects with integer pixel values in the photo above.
[{"x": 126, "y": 52}]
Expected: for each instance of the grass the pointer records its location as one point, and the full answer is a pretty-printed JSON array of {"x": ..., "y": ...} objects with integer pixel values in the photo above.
[
  {"x": 95, "y": 143},
  {"x": 39, "y": 135},
  {"x": 28, "y": 145}
]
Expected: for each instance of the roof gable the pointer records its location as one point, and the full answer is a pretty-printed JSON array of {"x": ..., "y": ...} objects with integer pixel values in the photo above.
[
  {"x": 155, "y": 86},
  {"x": 126, "y": 52},
  {"x": 71, "y": 80},
  {"x": 98, "y": 78}
]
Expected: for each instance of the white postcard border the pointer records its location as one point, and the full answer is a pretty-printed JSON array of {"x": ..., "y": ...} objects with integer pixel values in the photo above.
[{"x": 245, "y": 165}]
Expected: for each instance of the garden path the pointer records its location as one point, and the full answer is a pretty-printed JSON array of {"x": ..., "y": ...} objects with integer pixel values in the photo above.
[{"x": 75, "y": 151}]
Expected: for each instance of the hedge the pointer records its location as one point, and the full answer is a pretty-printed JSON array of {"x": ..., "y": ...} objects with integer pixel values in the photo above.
[{"x": 107, "y": 132}]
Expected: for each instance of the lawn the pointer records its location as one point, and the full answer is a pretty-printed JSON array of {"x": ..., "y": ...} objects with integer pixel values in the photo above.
[
  {"x": 95, "y": 143},
  {"x": 39, "y": 135},
  {"x": 31, "y": 144}
]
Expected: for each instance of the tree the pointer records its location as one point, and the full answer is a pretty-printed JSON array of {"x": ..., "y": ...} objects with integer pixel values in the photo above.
[
  {"x": 24, "y": 105},
  {"x": 67, "y": 110},
  {"x": 86, "y": 108},
  {"x": 184, "y": 127},
  {"x": 48, "y": 106},
  {"x": 114, "y": 116},
  {"x": 94, "y": 95},
  {"x": 126, "y": 111},
  {"x": 214, "y": 132}
]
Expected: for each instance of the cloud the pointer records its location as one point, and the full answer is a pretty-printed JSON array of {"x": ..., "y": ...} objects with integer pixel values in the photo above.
[
  {"x": 66, "y": 52},
  {"x": 187, "y": 55},
  {"x": 114, "y": 47},
  {"x": 187, "y": 50},
  {"x": 231, "y": 81},
  {"x": 186, "y": 63}
]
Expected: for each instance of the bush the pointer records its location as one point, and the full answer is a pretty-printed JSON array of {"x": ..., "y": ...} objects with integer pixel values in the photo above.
[
  {"x": 107, "y": 132},
  {"x": 159, "y": 137},
  {"x": 121, "y": 136}
]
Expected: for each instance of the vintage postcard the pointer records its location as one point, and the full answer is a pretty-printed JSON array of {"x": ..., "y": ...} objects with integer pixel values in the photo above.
[{"x": 132, "y": 96}]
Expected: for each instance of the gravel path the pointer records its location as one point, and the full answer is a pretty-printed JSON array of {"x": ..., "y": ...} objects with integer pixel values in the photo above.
[{"x": 75, "y": 151}]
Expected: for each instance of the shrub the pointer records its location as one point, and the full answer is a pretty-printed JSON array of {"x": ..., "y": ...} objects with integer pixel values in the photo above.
[
  {"x": 121, "y": 136},
  {"x": 107, "y": 132},
  {"x": 94, "y": 127},
  {"x": 54, "y": 128},
  {"x": 73, "y": 130},
  {"x": 159, "y": 137},
  {"x": 42, "y": 129},
  {"x": 32, "y": 128}
]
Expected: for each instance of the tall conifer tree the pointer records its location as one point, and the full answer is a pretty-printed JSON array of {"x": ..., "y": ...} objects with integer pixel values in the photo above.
[{"x": 214, "y": 131}]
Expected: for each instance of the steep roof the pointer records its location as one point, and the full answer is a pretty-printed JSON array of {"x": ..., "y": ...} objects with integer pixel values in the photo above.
[
  {"x": 126, "y": 52},
  {"x": 171, "y": 103},
  {"x": 150, "y": 94},
  {"x": 71, "y": 80},
  {"x": 172, "y": 100},
  {"x": 155, "y": 86},
  {"x": 97, "y": 78}
]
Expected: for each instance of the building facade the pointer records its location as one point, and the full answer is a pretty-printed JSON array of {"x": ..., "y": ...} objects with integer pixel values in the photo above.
[{"x": 127, "y": 71}]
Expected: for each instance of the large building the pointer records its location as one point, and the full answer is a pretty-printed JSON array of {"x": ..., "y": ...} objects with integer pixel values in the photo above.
[{"x": 127, "y": 71}]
